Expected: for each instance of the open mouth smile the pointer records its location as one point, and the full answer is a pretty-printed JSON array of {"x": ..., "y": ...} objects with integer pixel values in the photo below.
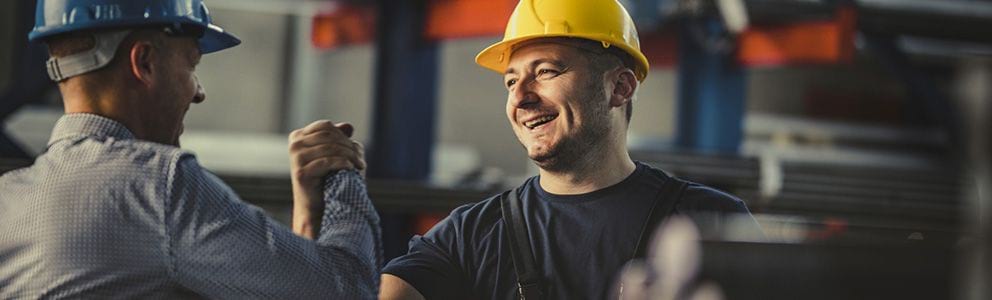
[{"x": 538, "y": 121}]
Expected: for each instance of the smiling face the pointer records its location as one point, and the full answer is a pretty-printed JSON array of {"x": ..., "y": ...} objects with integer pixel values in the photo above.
[
  {"x": 557, "y": 104},
  {"x": 178, "y": 87}
]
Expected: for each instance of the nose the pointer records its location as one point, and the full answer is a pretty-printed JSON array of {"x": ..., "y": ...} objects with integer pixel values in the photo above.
[
  {"x": 522, "y": 95},
  {"x": 200, "y": 95}
]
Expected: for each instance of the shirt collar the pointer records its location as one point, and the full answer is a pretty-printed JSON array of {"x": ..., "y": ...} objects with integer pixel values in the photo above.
[{"x": 77, "y": 124}]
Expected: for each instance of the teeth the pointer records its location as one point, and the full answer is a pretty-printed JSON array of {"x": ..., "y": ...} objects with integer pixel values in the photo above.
[{"x": 538, "y": 121}]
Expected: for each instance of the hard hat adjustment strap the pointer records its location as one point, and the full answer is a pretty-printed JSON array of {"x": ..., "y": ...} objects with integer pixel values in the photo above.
[{"x": 61, "y": 68}]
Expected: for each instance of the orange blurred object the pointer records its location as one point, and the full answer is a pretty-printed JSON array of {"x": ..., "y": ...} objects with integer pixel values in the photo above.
[
  {"x": 832, "y": 227},
  {"x": 448, "y": 19},
  {"x": 425, "y": 221},
  {"x": 815, "y": 42},
  {"x": 661, "y": 48},
  {"x": 343, "y": 25}
]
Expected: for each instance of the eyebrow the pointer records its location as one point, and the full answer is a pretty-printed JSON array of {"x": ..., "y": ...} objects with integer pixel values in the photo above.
[{"x": 535, "y": 63}]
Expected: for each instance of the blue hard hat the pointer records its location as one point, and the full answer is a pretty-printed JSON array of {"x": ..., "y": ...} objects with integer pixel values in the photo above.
[{"x": 54, "y": 17}]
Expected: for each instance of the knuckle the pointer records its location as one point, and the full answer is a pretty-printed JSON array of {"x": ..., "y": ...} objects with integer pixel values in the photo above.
[
  {"x": 300, "y": 173},
  {"x": 296, "y": 145},
  {"x": 323, "y": 124},
  {"x": 326, "y": 149},
  {"x": 341, "y": 164},
  {"x": 325, "y": 134}
]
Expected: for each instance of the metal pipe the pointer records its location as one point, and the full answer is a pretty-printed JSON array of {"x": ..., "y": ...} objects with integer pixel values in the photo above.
[{"x": 975, "y": 96}]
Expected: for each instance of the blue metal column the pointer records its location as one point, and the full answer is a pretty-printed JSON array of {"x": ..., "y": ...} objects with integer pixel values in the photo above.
[
  {"x": 404, "y": 108},
  {"x": 711, "y": 90},
  {"x": 405, "y": 96}
]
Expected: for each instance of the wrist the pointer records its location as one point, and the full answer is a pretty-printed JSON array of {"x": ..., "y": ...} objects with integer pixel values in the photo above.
[
  {"x": 308, "y": 210},
  {"x": 306, "y": 227}
]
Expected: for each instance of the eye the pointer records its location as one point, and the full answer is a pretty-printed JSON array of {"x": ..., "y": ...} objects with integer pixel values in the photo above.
[
  {"x": 511, "y": 82},
  {"x": 546, "y": 73}
]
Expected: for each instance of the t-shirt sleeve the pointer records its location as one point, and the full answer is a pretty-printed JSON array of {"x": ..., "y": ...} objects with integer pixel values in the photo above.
[
  {"x": 432, "y": 264},
  {"x": 719, "y": 215}
]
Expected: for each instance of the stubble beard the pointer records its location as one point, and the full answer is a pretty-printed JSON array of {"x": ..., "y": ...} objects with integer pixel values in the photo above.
[{"x": 580, "y": 152}]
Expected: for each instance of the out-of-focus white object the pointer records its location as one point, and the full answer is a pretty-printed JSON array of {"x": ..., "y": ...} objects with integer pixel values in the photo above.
[
  {"x": 975, "y": 101},
  {"x": 452, "y": 163},
  {"x": 674, "y": 256},
  {"x": 771, "y": 175},
  {"x": 31, "y": 126},
  {"x": 673, "y": 263},
  {"x": 734, "y": 15},
  {"x": 252, "y": 154},
  {"x": 707, "y": 291}
]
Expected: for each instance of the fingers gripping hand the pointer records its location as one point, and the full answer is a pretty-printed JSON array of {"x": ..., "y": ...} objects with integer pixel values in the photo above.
[{"x": 321, "y": 148}]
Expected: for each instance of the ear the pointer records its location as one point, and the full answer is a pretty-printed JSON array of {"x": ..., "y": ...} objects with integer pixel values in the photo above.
[
  {"x": 624, "y": 85},
  {"x": 142, "y": 57}
]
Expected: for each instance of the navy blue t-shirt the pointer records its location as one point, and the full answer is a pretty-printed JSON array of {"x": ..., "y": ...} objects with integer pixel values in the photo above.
[{"x": 580, "y": 241}]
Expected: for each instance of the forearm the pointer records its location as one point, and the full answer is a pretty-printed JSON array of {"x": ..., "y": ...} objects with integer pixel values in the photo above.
[
  {"x": 395, "y": 288},
  {"x": 351, "y": 224},
  {"x": 307, "y": 219},
  {"x": 344, "y": 215},
  {"x": 349, "y": 219}
]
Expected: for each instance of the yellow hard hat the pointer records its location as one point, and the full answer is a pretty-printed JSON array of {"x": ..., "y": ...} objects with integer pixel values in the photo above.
[{"x": 604, "y": 21}]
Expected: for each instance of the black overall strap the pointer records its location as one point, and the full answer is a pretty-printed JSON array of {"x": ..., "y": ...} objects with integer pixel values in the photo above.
[
  {"x": 528, "y": 277},
  {"x": 664, "y": 205}
]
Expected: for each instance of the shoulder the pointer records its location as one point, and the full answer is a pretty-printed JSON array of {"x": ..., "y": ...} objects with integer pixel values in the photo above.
[
  {"x": 471, "y": 220},
  {"x": 191, "y": 184},
  {"x": 171, "y": 166},
  {"x": 449, "y": 244},
  {"x": 108, "y": 162},
  {"x": 699, "y": 197},
  {"x": 156, "y": 168}
]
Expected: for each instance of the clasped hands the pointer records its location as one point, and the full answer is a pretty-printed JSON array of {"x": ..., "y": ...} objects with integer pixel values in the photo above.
[{"x": 315, "y": 151}]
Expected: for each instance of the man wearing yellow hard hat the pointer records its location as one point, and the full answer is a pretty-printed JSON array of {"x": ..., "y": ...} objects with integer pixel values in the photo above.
[{"x": 571, "y": 69}]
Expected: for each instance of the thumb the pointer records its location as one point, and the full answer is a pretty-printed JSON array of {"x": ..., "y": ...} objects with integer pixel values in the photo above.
[{"x": 345, "y": 128}]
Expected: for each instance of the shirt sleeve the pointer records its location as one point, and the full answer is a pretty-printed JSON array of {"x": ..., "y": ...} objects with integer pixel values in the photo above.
[
  {"x": 720, "y": 215},
  {"x": 431, "y": 265},
  {"x": 221, "y": 247}
]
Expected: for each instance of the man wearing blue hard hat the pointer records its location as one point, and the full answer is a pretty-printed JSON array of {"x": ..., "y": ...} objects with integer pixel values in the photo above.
[{"x": 115, "y": 209}]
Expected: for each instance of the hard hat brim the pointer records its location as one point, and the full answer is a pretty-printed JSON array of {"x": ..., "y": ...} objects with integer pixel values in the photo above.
[
  {"x": 497, "y": 56},
  {"x": 215, "y": 39}
]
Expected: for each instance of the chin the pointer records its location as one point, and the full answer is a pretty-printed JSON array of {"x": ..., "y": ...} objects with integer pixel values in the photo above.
[
  {"x": 537, "y": 152},
  {"x": 551, "y": 163},
  {"x": 546, "y": 158}
]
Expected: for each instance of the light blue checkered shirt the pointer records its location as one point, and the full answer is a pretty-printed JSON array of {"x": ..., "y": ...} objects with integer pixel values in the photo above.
[{"x": 101, "y": 215}]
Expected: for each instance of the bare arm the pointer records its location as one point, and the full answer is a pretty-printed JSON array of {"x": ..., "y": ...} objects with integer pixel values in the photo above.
[{"x": 395, "y": 288}]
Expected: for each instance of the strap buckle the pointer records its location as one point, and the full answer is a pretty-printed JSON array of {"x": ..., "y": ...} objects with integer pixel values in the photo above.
[{"x": 54, "y": 72}]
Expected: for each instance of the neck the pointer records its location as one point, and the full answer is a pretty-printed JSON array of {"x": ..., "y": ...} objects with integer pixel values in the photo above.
[
  {"x": 108, "y": 103},
  {"x": 596, "y": 171}
]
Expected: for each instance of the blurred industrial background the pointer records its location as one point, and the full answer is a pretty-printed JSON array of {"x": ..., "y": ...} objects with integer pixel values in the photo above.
[{"x": 856, "y": 131}]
